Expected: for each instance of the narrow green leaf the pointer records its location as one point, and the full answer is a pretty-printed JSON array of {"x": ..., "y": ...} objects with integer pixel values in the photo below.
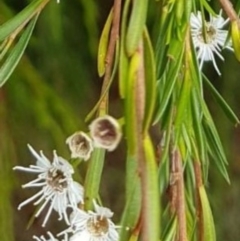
[
  {"x": 132, "y": 208},
  {"x": 24, "y": 16},
  {"x": 225, "y": 107},
  {"x": 209, "y": 125},
  {"x": 208, "y": 7},
  {"x": 183, "y": 102},
  {"x": 103, "y": 44},
  {"x": 93, "y": 177},
  {"x": 179, "y": 10},
  {"x": 215, "y": 149},
  {"x": 161, "y": 47},
  {"x": 172, "y": 75},
  {"x": 16, "y": 53},
  {"x": 208, "y": 222},
  {"x": 171, "y": 230},
  {"x": 173, "y": 51},
  {"x": 123, "y": 71},
  {"x": 197, "y": 125},
  {"x": 150, "y": 81},
  {"x": 136, "y": 25},
  {"x": 123, "y": 58},
  {"x": 187, "y": 9}
]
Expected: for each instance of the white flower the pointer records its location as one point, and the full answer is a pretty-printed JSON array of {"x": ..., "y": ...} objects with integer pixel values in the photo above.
[
  {"x": 105, "y": 132},
  {"x": 92, "y": 226},
  {"x": 57, "y": 186},
  {"x": 215, "y": 37},
  {"x": 42, "y": 238},
  {"x": 80, "y": 145}
]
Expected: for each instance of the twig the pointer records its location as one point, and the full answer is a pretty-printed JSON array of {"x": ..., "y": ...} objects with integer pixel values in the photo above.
[
  {"x": 181, "y": 213},
  {"x": 139, "y": 89},
  {"x": 228, "y": 8},
  {"x": 110, "y": 52},
  {"x": 198, "y": 178}
]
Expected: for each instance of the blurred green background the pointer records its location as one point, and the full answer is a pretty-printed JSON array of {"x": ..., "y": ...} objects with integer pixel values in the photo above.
[{"x": 56, "y": 85}]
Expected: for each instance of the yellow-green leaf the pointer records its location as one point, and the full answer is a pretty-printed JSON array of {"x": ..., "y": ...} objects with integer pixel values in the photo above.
[
  {"x": 136, "y": 25},
  {"x": 150, "y": 81},
  {"x": 103, "y": 44},
  {"x": 208, "y": 222},
  {"x": 123, "y": 58}
]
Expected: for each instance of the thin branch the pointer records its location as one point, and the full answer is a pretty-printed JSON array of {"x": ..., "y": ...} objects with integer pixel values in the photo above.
[
  {"x": 198, "y": 179},
  {"x": 181, "y": 212},
  {"x": 110, "y": 52},
  {"x": 140, "y": 104},
  {"x": 228, "y": 8}
]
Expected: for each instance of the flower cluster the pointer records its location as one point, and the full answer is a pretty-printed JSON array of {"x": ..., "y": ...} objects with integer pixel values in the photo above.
[
  {"x": 59, "y": 192},
  {"x": 91, "y": 225},
  {"x": 209, "y": 38}
]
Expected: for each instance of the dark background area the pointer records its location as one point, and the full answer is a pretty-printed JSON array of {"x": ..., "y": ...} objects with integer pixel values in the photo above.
[{"x": 53, "y": 89}]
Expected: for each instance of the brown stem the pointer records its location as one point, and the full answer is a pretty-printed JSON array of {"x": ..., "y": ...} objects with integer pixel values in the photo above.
[
  {"x": 228, "y": 8},
  {"x": 180, "y": 199},
  {"x": 198, "y": 178},
  {"x": 110, "y": 52},
  {"x": 140, "y": 89},
  {"x": 140, "y": 104},
  {"x": 172, "y": 189}
]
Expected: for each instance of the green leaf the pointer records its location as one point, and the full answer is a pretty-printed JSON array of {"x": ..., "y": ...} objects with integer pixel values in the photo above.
[
  {"x": 23, "y": 17},
  {"x": 183, "y": 102},
  {"x": 215, "y": 147},
  {"x": 103, "y": 44},
  {"x": 123, "y": 58},
  {"x": 150, "y": 81},
  {"x": 197, "y": 126},
  {"x": 225, "y": 107},
  {"x": 16, "y": 53},
  {"x": 136, "y": 25},
  {"x": 208, "y": 222},
  {"x": 208, "y": 8},
  {"x": 93, "y": 177},
  {"x": 170, "y": 232},
  {"x": 132, "y": 208},
  {"x": 168, "y": 86}
]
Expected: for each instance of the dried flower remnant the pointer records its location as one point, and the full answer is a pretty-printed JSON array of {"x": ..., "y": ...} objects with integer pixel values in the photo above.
[
  {"x": 214, "y": 39},
  {"x": 57, "y": 186},
  {"x": 105, "y": 132},
  {"x": 92, "y": 226},
  {"x": 80, "y": 145}
]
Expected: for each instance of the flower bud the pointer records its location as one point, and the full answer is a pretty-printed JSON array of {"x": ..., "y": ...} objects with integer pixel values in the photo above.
[
  {"x": 80, "y": 145},
  {"x": 105, "y": 132}
]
